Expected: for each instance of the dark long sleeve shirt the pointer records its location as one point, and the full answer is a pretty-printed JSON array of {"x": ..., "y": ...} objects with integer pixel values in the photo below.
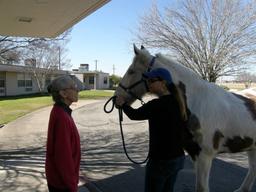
[
  {"x": 165, "y": 126},
  {"x": 63, "y": 150}
]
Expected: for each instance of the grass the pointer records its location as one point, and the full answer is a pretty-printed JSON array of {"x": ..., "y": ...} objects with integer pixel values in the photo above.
[
  {"x": 95, "y": 94},
  {"x": 236, "y": 86},
  {"x": 12, "y": 108}
]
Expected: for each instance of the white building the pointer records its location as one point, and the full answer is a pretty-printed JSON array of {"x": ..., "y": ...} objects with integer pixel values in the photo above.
[
  {"x": 18, "y": 80},
  {"x": 92, "y": 79}
]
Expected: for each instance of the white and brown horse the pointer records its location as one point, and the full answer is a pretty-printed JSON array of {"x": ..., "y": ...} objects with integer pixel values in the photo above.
[{"x": 220, "y": 121}]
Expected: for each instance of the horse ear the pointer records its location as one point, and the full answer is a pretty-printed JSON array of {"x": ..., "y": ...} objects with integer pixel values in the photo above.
[
  {"x": 142, "y": 47},
  {"x": 136, "y": 50}
]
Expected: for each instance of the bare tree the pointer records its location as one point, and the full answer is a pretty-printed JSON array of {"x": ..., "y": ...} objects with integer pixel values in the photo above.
[
  {"x": 246, "y": 78},
  {"x": 10, "y": 46},
  {"x": 212, "y": 37},
  {"x": 42, "y": 58}
]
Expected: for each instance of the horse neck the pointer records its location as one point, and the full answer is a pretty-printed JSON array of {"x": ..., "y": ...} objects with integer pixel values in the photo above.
[{"x": 183, "y": 75}]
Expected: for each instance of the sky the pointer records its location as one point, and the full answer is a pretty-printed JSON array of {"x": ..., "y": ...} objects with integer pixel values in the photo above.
[{"x": 106, "y": 36}]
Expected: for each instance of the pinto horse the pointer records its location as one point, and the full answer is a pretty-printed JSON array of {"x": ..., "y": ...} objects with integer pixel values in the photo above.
[{"x": 220, "y": 121}]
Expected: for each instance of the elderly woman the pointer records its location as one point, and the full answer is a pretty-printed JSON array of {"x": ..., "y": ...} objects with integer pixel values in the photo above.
[{"x": 63, "y": 142}]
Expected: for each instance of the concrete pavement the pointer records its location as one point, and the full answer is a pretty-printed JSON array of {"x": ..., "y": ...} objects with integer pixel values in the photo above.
[
  {"x": 225, "y": 177},
  {"x": 22, "y": 144}
]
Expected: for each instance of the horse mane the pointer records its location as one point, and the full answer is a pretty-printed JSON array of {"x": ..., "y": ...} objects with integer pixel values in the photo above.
[
  {"x": 176, "y": 89},
  {"x": 187, "y": 76},
  {"x": 178, "y": 67}
]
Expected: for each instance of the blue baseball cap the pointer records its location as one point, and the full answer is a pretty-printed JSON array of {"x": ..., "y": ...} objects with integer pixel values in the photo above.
[{"x": 159, "y": 73}]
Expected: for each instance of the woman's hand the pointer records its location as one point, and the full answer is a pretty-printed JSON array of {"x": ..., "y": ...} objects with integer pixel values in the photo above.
[{"x": 119, "y": 101}]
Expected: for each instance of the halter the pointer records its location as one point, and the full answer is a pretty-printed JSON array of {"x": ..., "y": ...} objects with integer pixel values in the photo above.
[{"x": 142, "y": 80}]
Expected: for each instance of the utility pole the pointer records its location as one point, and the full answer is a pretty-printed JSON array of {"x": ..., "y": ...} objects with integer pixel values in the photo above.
[
  {"x": 95, "y": 76},
  {"x": 59, "y": 57},
  {"x": 96, "y": 62},
  {"x": 114, "y": 69}
]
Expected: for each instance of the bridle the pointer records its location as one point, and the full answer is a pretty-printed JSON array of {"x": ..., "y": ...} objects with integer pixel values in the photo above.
[
  {"x": 142, "y": 80},
  {"x": 129, "y": 89}
]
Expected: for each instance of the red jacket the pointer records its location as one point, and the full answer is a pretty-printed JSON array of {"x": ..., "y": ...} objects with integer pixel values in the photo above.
[{"x": 63, "y": 151}]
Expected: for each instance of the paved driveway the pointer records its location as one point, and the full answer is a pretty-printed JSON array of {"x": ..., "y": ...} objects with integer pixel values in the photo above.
[
  {"x": 105, "y": 162},
  {"x": 22, "y": 154}
]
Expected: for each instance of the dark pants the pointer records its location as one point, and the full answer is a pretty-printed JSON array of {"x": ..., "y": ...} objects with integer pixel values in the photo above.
[
  {"x": 54, "y": 189},
  {"x": 161, "y": 174}
]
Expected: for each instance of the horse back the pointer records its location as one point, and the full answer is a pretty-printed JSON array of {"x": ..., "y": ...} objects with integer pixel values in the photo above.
[{"x": 222, "y": 121}]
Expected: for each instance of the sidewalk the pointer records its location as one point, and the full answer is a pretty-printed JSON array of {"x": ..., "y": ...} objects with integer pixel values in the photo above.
[
  {"x": 21, "y": 156},
  {"x": 34, "y": 123}
]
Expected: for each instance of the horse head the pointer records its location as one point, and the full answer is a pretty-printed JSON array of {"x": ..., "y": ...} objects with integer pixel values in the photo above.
[{"x": 132, "y": 85}]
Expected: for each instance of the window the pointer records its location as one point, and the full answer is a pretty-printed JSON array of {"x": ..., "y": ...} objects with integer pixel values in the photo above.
[
  {"x": 21, "y": 80},
  {"x": 24, "y": 80},
  {"x": 2, "y": 79},
  {"x": 2, "y": 84},
  {"x": 21, "y": 83},
  {"x": 28, "y": 81},
  {"x": 105, "y": 80},
  {"x": 91, "y": 80}
]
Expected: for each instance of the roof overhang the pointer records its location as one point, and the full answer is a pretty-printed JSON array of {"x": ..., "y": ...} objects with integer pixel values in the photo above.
[
  {"x": 27, "y": 69},
  {"x": 43, "y": 18}
]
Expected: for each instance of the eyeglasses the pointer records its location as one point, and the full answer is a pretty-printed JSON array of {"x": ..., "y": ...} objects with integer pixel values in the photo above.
[
  {"x": 153, "y": 80},
  {"x": 72, "y": 88}
]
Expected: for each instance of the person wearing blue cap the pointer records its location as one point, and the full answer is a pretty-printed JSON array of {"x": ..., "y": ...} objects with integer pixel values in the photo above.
[{"x": 166, "y": 116}]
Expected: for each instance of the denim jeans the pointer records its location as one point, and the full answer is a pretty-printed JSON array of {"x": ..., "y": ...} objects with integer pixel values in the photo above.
[{"x": 161, "y": 174}]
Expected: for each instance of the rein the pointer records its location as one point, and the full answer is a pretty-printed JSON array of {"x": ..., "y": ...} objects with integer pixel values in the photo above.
[
  {"x": 120, "y": 111},
  {"x": 120, "y": 114}
]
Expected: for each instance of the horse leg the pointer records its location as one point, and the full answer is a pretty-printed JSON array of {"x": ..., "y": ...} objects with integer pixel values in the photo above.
[
  {"x": 251, "y": 174},
  {"x": 203, "y": 165}
]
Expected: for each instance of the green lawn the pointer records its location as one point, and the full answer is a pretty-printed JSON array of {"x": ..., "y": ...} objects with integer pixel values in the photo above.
[
  {"x": 13, "y": 107},
  {"x": 95, "y": 94}
]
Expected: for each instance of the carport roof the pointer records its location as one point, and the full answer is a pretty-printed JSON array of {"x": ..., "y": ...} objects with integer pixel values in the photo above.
[{"x": 43, "y": 18}]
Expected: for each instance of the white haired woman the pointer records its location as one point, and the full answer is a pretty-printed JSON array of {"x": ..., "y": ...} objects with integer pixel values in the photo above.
[{"x": 63, "y": 152}]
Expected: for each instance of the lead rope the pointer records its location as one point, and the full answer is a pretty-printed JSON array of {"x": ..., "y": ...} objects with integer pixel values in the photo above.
[{"x": 120, "y": 114}]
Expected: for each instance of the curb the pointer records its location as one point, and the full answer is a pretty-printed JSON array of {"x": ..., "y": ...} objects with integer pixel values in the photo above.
[{"x": 92, "y": 187}]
